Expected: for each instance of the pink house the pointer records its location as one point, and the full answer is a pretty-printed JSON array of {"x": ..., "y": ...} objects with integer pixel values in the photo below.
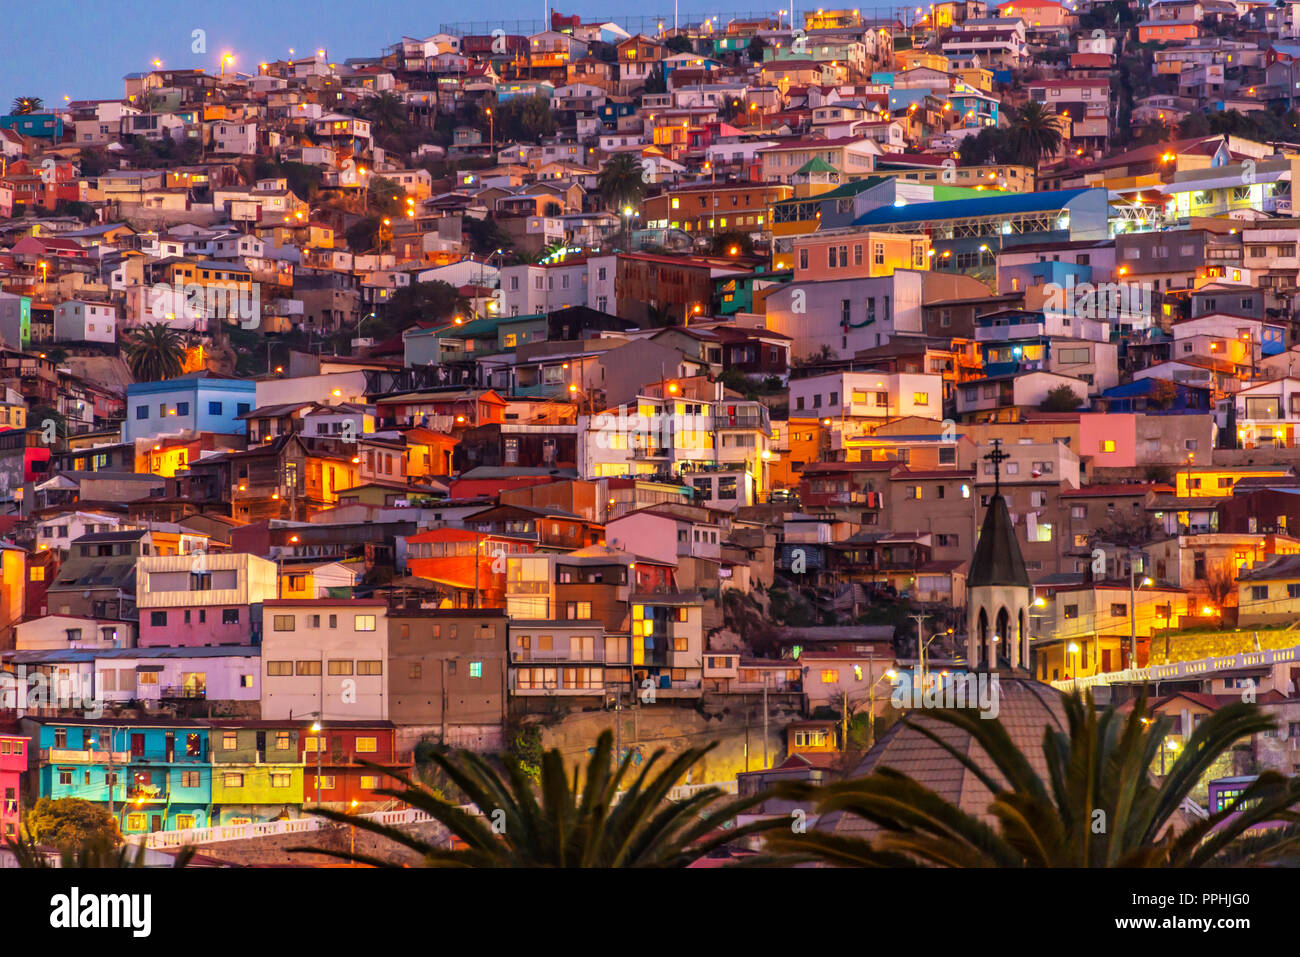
[
  {"x": 202, "y": 599},
  {"x": 13, "y": 763},
  {"x": 1109, "y": 438}
]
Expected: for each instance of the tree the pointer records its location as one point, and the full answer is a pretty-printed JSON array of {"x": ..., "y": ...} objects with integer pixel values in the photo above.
[
  {"x": 423, "y": 300},
  {"x": 1060, "y": 399},
  {"x": 485, "y": 235},
  {"x": 1036, "y": 133},
  {"x": 386, "y": 112},
  {"x": 1221, "y": 584},
  {"x": 561, "y": 822},
  {"x": 679, "y": 44},
  {"x": 363, "y": 234},
  {"x": 42, "y": 414},
  {"x": 756, "y": 47},
  {"x": 990, "y": 145},
  {"x": 524, "y": 118},
  {"x": 385, "y": 196},
  {"x": 69, "y": 824},
  {"x": 23, "y": 105},
  {"x": 155, "y": 352},
  {"x": 621, "y": 182},
  {"x": 1163, "y": 394},
  {"x": 1100, "y": 806},
  {"x": 725, "y": 243}
]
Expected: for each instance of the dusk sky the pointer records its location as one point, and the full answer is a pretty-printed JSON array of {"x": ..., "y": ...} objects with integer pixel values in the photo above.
[{"x": 82, "y": 49}]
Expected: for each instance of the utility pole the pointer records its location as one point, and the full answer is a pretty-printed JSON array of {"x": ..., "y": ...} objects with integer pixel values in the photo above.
[
  {"x": 765, "y": 721},
  {"x": 920, "y": 647},
  {"x": 1132, "y": 608},
  {"x": 618, "y": 725}
]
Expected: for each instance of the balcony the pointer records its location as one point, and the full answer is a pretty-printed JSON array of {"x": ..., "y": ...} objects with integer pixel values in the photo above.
[
  {"x": 148, "y": 794},
  {"x": 555, "y": 657},
  {"x": 70, "y": 756},
  {"x": 179, "y": 691},
  {"x": 643, "y": 454}
]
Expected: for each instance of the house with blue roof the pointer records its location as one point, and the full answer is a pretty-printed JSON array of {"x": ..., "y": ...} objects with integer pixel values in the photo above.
[{"x": 967, "y": 234}]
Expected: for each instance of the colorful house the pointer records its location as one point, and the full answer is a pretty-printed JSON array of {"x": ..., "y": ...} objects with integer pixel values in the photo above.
[
  {"x": 257, "y": 771},
  {"x": 13, "y": 764},
  {"x": 153, "y": 774}
]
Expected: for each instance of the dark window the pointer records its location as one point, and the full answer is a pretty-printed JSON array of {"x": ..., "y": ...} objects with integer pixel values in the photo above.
[{"x": 158, "y": 619}]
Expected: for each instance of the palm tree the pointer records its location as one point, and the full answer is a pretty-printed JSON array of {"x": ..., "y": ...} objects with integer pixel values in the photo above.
[
  {"x": 1037, "y": 132},
  {"x": 155, "y": 352},
  {"x": 23, "y": 105},
  {"x": 386, "y": 112},
  {"x": 558, "y": 823},
  {"x": 1100, "y": 806},
  {"x": 622, "y": 184}
]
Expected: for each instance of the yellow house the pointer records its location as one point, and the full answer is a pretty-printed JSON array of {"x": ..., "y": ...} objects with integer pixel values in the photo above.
[
  {"x": 13, "y": 411},
  {"x": 318, "y": 580},
  {"x": 1216, "y": 481},
  {"x": 173, "y": 540},
  {"x": 832, "y": 19},
  {"x": 255, "y": 783},
  {"x": 13, "y": 589},
  {"x": 910, "y": 59},
  {"x": 1269, "y": 593},
  {"x": 977, "y": 77},
  {"x": 163, "y": 460},
  {"x": 327, "y": 476}
]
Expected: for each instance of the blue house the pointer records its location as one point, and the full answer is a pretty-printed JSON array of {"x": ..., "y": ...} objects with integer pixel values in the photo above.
[
  {"x": 46, "y": 125},
  {"x": 157, "y": 775},
  {"x": 201, "y": 402}
]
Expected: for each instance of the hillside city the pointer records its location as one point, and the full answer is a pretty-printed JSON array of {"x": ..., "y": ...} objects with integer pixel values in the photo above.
[{"x": 744, "y": 387}]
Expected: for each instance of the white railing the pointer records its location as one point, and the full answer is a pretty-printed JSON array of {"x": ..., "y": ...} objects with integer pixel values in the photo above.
[
  {"x": 241, "y": 832},
  {"x": 1182, "y": 669},
  {"x": 301, "y": 825}
]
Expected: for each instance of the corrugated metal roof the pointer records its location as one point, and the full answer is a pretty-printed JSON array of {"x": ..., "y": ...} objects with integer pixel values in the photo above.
[{"x": 994, "y": 204}]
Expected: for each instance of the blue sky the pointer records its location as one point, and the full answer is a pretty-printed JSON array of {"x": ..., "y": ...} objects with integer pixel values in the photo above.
[{"x": 83, "y": 48}]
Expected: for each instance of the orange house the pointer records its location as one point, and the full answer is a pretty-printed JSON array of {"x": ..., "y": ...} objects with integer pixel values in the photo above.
[
  {"x": 1168, "y": 31},
  {"x": 470, "y": 564}
]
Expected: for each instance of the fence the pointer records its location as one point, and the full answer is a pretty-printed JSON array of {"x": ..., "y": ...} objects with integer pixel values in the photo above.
[
  {"x": 303, "y": 825},
  {"x": 1182, "y": 669},
  {"x": 650, "y": 24},
  {"x": 243, "y": 832}
]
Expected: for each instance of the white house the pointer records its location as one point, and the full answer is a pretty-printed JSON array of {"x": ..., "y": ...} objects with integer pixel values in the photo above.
[
  {"x": 80, "y": 320},
  {"x": 325, "y": 657}
]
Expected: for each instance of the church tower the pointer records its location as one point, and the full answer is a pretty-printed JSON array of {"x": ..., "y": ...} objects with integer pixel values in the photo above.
[{"x": 997, "y": 588}]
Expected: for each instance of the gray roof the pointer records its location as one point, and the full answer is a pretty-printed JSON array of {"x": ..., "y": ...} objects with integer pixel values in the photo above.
[
  {"x": 91, "y": 654},
  {"x": 1025, "y": 707}
]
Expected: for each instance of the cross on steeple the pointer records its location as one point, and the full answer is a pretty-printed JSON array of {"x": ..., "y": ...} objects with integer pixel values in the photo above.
[{"x": 997, "y": 457}]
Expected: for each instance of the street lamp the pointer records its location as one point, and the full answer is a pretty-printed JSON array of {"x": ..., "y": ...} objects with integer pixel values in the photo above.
[
  {"x": 316, "y": 729},
  {"x": 891, "y": 674}
]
